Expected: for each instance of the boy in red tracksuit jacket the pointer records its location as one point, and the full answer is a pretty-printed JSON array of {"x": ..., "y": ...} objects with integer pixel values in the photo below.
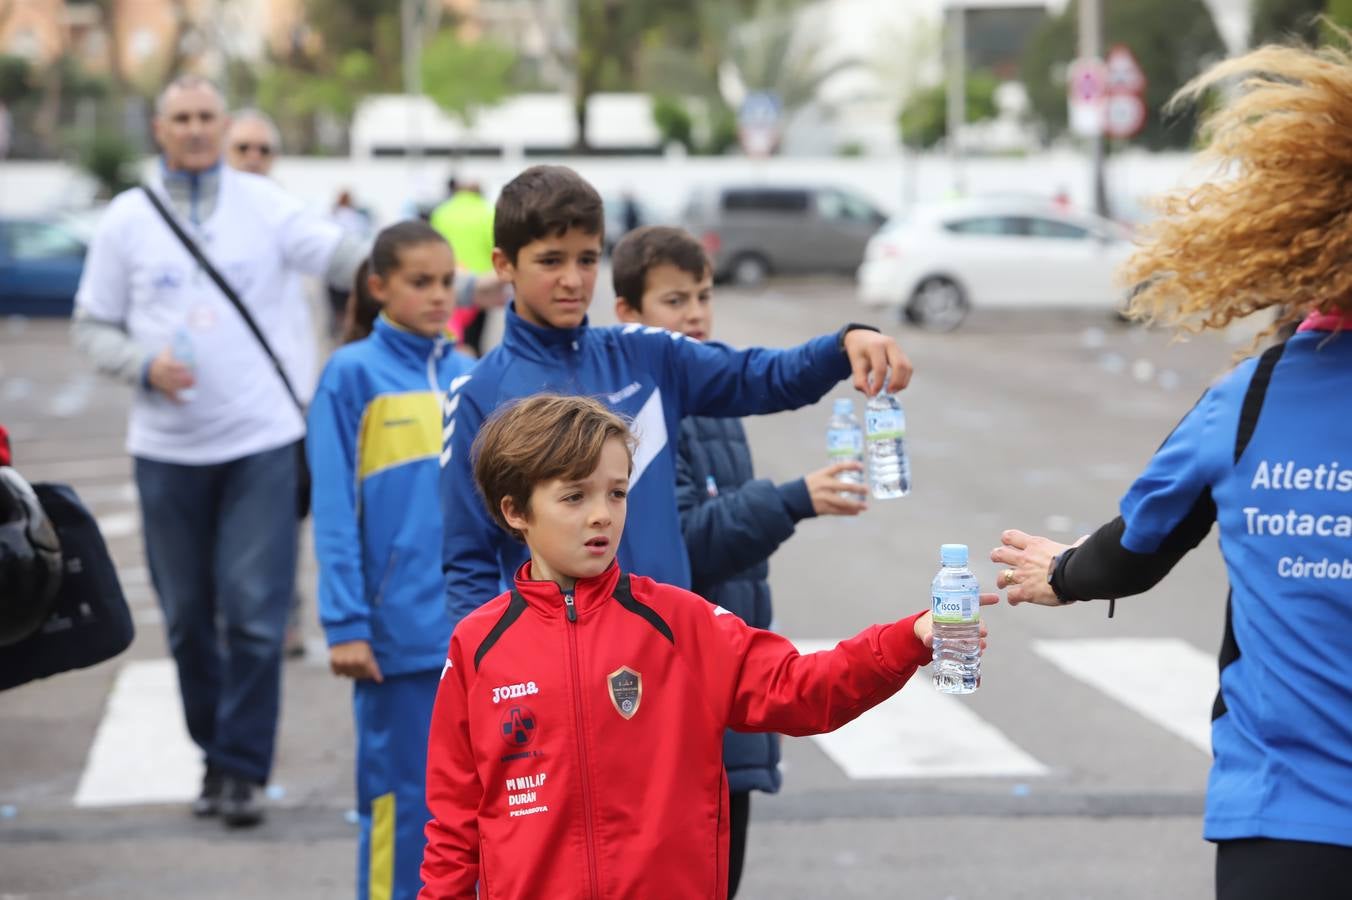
[{"x": 576, "y": 740}]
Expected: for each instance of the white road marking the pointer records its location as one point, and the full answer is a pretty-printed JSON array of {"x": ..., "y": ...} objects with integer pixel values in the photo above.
[
  {"x": 1166, "y": 680},
  {"x": 142, "y": 752},
  {"x": 117, "y": 525},
  {"x": 920, "y": 733}
]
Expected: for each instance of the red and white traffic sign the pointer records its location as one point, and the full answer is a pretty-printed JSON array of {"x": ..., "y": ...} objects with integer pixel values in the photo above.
[
  {"x": 1123, "y": 115},
  {"x": 1124, "y": 72},
  {"x": 1107, "y": 97},
  {"x": 1086, "y": 86}
]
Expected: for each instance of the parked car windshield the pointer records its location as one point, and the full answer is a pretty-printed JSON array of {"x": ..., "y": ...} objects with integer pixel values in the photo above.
[{"x": 39, "y": 240}]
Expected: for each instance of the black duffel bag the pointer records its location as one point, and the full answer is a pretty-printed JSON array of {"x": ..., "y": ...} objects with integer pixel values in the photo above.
[{"x": 89, "y": 620}]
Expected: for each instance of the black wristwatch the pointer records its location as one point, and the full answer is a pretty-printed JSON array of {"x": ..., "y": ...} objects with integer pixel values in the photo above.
[
  {"x": 1053, "y": 570},
  {"x": 853, "y": 326}
]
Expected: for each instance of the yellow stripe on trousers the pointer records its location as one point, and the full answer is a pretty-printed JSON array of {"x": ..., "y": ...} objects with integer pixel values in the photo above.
[{"x": 381, "y": 879}]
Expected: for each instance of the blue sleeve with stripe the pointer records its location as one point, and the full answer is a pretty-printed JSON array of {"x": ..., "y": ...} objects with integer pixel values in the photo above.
[
  {"x": 1178, "y": 476},
  {"x": 471, "y": 539},
  {"x": 334, "y": 422}
]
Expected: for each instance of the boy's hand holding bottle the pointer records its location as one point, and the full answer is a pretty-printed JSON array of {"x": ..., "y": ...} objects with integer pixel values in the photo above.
[
  {"x": 924, "y": 626},
  {"x": 354, "y": 659},
  {"x": 871, "y": 355},
  {"x": 834, "y": 492}
]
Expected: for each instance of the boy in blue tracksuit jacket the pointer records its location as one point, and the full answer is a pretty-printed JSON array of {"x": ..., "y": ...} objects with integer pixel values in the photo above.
[
  {"x": 731, "y": 521},
  {"x": 373, "y": 442},
  {"x": 548, "y": 232}
]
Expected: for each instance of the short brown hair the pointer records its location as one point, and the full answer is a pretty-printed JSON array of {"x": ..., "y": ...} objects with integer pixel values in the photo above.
[
  {"x": 642, "y": 249},
  {"x": 545, "y": 201},
  {"x": 539, "y": 439}
]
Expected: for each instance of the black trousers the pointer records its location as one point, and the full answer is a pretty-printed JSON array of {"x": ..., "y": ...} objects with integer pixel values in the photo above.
[
  {"x": 739, "y": 816},
  {"x": 1263, "y": 869}
]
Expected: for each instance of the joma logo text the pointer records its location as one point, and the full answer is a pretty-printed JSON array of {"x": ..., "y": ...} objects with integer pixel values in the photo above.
[{"x": 509, "y": 691}]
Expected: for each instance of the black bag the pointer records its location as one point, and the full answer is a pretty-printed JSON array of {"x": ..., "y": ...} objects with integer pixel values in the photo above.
[
  {"x": 90, "y": 621},
  {"x": 302, "y": 463}
]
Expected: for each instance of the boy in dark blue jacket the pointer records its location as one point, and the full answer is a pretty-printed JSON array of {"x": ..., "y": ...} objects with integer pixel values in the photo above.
[
  {"x": 732, "y": 522},
  {"x": 547, "y": 232}
]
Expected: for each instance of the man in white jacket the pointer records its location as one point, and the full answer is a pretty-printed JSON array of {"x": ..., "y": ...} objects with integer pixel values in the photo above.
[{"x": 212, "y": 430}]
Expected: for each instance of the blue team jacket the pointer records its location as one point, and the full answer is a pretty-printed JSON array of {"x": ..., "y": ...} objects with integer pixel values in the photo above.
[
  {"x": 1280, "y": 488},
  {"x": 373, "y": 442},
  {"x": 650, "y": 375}
]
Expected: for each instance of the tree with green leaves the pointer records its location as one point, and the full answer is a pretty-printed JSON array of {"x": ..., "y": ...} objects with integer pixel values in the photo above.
[
  {"x": 1275, "y": 21},
  {"x": 1173, "y": 40},
  {"x": 464, "y": 77},
  {"x": 924, "y": 119}
]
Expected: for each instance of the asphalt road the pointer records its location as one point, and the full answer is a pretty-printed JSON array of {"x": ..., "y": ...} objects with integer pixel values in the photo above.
[{"x": 1077, "y": 771}]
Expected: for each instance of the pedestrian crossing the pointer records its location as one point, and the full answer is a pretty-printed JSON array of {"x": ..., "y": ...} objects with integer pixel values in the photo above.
[{"x": 141, "y": 753}]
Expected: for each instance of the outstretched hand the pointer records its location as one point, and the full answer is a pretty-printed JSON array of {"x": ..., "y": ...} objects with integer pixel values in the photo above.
[
  {"x": 1028, "y": 559},
  {"x": 924, "y": 626},
  {"x": 871, "y": 355}
]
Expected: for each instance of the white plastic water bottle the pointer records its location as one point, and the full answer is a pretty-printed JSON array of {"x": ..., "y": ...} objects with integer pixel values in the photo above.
[
  {"x": 845, "y": 441},
  {"x": 957, "y": 623},
  {"x": 181, "y": 349},
  {"x": 889, "y": 469}
]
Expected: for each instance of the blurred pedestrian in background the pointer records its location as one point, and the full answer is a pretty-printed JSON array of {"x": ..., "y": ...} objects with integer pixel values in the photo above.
[
  {"x": 215, "y": 424},
  {"x": 1267, "y": 455},
  {"x": 466, "y": 220},
  {"x": 252, "y": 145}
]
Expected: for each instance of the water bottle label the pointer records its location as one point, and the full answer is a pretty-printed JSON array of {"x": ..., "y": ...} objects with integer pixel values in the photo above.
[
  {"x": 885, "y": 424},
  {"x": 956, "y": 607},
  {"x": 845, "y": 443}
]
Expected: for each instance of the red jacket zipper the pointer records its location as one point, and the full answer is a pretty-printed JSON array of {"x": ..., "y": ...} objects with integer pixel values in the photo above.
[{"x": 583, "y": 765}]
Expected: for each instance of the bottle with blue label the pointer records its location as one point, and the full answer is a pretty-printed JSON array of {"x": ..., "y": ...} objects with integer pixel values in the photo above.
[
  {"x": 845, "y": 441},
  {"x": 889, "y": 467},
  {"x": 956, "y": 611},
  {"x": 182, "y": 350}
]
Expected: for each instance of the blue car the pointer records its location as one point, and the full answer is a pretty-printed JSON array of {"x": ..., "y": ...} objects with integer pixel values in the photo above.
[{"x": 40, "y": 264}]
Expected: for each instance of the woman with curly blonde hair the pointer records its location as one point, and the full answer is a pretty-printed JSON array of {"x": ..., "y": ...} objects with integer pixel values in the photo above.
[{"x": 1266, "y": 454}]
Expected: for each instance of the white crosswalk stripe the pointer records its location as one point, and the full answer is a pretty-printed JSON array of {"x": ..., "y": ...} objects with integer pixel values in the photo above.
[
  {"x": 920, "y": 733},
  {"x": 141, "y": 752},
  {"x": 1166, "y": 680}
]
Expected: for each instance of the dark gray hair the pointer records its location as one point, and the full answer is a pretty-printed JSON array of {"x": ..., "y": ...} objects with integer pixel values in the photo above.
[{"x": 186, "y": 82}]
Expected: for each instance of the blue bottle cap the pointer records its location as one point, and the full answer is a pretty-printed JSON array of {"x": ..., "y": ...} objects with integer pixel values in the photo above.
[
  {"x": 843, "y": 406},
  {"x": 953, "y": 554}
]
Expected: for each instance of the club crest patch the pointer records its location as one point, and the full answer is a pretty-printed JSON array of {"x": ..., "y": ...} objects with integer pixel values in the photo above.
[{"x": 626, "y": 690}]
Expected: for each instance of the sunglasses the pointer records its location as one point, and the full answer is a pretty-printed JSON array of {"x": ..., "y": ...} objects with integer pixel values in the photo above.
[{"x": 246, "y": 147}]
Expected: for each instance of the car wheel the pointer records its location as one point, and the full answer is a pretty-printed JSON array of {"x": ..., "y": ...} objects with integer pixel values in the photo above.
[
  {"x": 938, "y": 304},
  {"x": 749, "y": 270}
]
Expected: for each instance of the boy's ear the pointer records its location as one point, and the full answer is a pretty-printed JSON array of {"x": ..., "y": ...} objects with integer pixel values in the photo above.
[
  {"x": 504, "y": 267},
  {"x": 626, "y": 313},
  {"x": 509, "y": 512}
]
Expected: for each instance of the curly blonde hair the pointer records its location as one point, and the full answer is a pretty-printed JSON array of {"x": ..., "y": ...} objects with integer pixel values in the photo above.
[{"x": 1275, "y": 227}]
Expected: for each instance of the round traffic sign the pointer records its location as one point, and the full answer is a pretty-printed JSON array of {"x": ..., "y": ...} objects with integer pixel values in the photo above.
[{"x": 1124, "y": 115}]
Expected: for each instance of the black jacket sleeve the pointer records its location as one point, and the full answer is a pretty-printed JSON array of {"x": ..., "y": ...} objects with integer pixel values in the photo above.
[
  {"x": 738, "y": 528},
  {"x": 1102, "y": 569}
]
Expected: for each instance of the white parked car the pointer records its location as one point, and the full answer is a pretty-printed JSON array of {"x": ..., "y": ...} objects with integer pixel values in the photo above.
[{"x": 938, "y": 262}]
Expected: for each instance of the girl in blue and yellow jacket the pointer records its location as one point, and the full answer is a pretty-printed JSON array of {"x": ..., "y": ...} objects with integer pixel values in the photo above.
[{"x": 374, "y": 445}]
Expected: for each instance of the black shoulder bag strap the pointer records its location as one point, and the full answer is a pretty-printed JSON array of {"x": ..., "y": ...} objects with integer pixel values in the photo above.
[{"x": 226, "y": 289}]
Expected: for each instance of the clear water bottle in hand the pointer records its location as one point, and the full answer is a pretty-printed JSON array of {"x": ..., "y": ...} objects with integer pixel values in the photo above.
[
  {"x": 957, "y": 623},
  {"x": 889, "y": 468},
  {"x": 845, "y": 441},
  {"x": 182, "y": 350}
]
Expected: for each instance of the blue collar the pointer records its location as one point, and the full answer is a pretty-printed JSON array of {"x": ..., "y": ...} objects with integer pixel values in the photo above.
[
  {"x": 404, "y": 343},
  {"x": 541, "y": 344}
]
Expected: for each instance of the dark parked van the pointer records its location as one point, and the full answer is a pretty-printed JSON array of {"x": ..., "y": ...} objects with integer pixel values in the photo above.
[{"x": 753, "y": 231}]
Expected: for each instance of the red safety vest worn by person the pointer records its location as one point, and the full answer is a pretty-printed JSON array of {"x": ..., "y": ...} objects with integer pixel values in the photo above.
[{"x": 576, "y": 746}]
